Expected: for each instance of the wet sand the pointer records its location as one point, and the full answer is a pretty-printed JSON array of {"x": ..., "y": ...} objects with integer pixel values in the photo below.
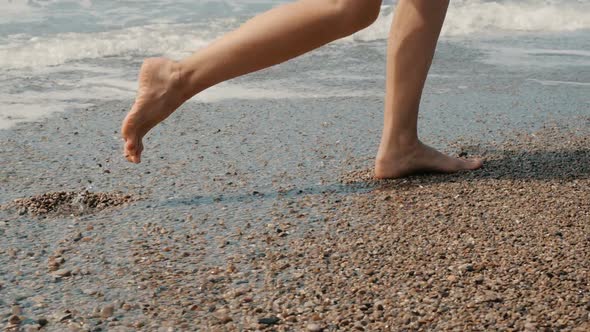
[{"x": 272, "y": 222}]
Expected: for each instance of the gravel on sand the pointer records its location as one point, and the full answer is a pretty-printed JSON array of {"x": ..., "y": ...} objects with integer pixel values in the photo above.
[{"x": 502, "y": 248}]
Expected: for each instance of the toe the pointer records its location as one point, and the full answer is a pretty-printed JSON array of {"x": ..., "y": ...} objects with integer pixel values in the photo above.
[
  {"x": 133, "y": 150},
  {"x": 470, "y": 164}
]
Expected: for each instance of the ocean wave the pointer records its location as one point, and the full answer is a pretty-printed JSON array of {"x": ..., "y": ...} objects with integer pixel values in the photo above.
[
  {"x": 169, "y": 40},
  {"x": 468, "y": 17}
]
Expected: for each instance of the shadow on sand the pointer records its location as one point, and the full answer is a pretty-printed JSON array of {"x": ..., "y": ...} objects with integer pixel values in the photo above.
[
  {"x": 527, "y": 165},
  {"x": 564, "y": 165}
]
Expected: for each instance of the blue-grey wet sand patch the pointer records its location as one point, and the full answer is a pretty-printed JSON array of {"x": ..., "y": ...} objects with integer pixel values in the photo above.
[{"x": 262, "y": 214}]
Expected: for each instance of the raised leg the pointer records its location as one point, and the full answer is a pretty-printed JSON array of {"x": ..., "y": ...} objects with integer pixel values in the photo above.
[
  {"x": 412, "y": 42},
  {"x": 268, "y": 39}
]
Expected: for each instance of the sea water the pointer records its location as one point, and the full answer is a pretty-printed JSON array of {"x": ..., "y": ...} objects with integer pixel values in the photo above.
[{"x": 63, "y": 55}]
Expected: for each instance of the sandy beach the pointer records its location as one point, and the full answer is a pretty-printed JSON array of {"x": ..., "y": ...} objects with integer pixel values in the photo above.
[
  {"x": 262, "y": 215},
  {"x": 254, "y": 207}
]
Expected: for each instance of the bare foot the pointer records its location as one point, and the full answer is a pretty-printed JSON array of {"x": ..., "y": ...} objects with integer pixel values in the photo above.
[
  {"x": 420, "y": 158},
  {"x": 158, "y": 96}
]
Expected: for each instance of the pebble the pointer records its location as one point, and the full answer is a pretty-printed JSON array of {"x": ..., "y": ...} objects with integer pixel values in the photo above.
[
  {"x": 466, "y": 268},
  {"x": 530, "y": 327},
  {"x": 89, "y": 291},
  {"x": 269, "y": 320},
  {"x": 77, "y": 237},
  {"x": 31, "y": 328},
  {"x": 14, "y": 320},
  {"x": 107, "y": 311},
  {"x": 16, "y": 310},
  {"x": 314, "y": 327},
  {"x": 60, "y": 317},
  {"x": 63, "y": 273}
]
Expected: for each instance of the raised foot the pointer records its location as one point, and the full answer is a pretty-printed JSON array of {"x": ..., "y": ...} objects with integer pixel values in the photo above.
[
  {"x": 420, "y": 159},
  {"x": 158, "y": 96}
]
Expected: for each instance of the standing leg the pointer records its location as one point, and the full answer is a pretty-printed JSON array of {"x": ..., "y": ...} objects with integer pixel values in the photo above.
[
  {"x": 271, "y": 38},
  {"x": 412, "y": 42}
]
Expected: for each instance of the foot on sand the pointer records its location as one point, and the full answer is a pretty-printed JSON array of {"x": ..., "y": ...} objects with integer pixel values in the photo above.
[
  {"x": 420, "y": 158},
  {"x": 158, "y": 96}
]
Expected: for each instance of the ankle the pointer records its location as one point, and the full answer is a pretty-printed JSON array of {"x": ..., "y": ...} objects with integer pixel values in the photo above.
[
  {"x": 179, "y": 82},
  {"x": 189, "y": 82},
  {"x": 396, "y": 147}
]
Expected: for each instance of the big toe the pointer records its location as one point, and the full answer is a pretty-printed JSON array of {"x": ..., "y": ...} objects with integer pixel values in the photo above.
[
  {"x": 133, "y": 148},
  {"x": 469, "y": 164}
]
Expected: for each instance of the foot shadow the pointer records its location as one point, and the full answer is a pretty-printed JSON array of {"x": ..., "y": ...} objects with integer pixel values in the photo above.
[
  {"x": 521, "y": 165},
  {"x": 538, "y": 165},
  {"x": 563, "y": 165}
]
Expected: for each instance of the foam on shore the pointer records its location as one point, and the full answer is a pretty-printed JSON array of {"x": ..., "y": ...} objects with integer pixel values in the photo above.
[{"x": 468, "y": 17}]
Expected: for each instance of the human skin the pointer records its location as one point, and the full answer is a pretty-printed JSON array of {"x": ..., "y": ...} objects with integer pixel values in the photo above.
[
  {"x": 291, "y": 30},
  {"x": 411, "y": 46}
]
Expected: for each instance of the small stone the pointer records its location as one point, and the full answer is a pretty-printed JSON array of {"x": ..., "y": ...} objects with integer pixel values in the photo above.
[
  {"x": 379, "y": 306},
  {"x": 314, "y": 327},
  {"x": 530, "y": 326},
  {"x": 73, "y": 327},
  {"x": 452, "y": 278},
  {"x": 359, "y": 327},
  {"x": 466, "y": 268},
  {"x": 479, "y": 280},
  {"x": 269, "y": 320},
  {"x": 42, "y": 321},
  {"x": 14, "y": 320},
  {"x": 64, "y": 316},
  {"x": 89, "y": 291},
  {"x": 16, "y": 310},
  {"x": 107, "y": 311},
  {"x": 63, "y": 273},
  {"x": 31, "y": 328}
]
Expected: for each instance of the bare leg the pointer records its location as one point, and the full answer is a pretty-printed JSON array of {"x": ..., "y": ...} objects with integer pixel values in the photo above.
[
  {"x": 412, "y": 42},
  {"x": 271, "y": 38}
]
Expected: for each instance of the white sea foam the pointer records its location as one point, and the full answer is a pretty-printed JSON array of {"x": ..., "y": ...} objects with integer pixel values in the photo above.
[
  {"x": 555, "y": 83},
  {"x": 44, "y": 54},
  {"x": 57, "y": 49},
  {"x": 176, "y": 40},
  {"x": 12, "y": 113},
  {"x": 72, "y": 95},
  {"x": 471, "y": 16},
  {"x": 466, "y": 17},
  {"x": 523, "y": 57}
]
